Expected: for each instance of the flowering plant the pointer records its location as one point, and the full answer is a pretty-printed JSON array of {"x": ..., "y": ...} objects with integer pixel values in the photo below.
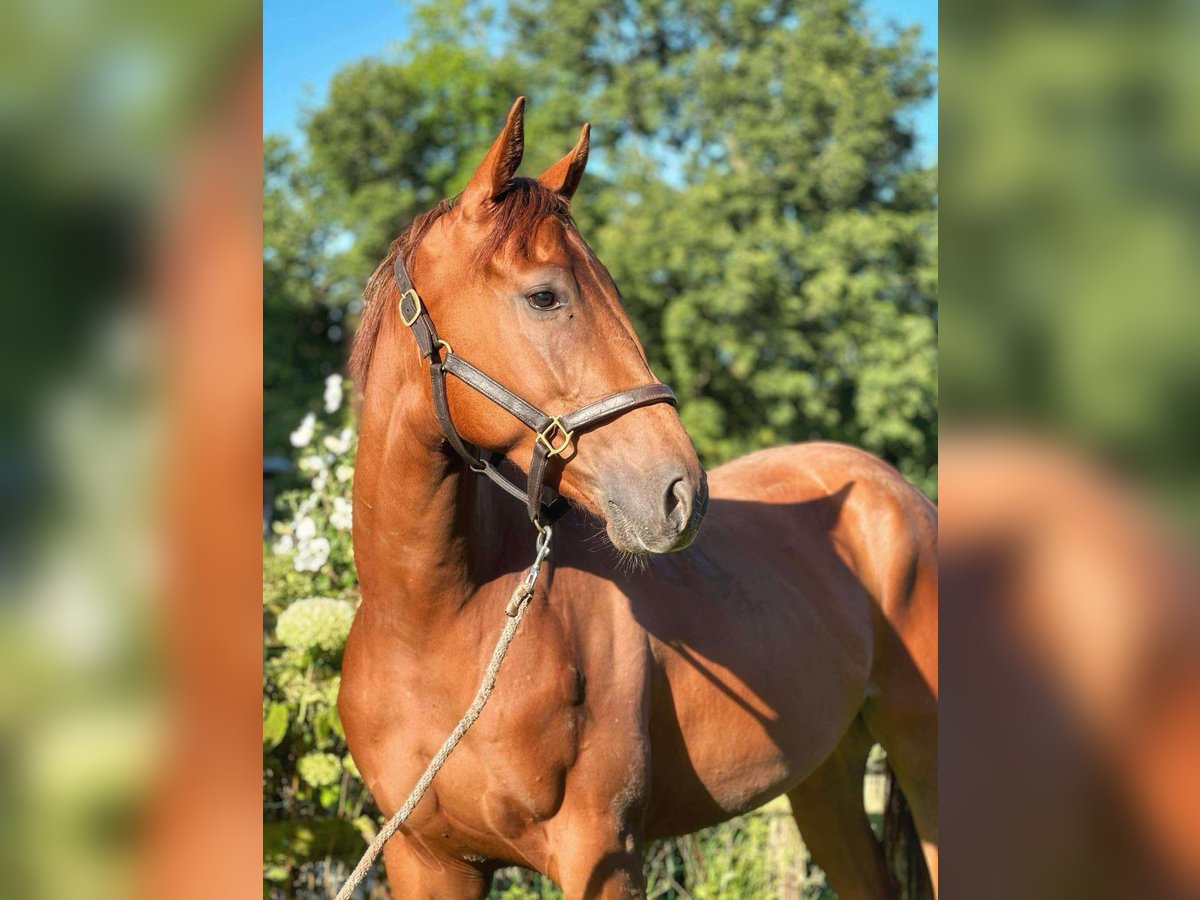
[
  {"x": 310, "y": 783},
  {"x": 316, "y": 536}
]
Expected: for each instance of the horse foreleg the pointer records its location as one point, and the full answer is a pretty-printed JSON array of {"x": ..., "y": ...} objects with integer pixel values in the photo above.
[
  {"x": 599, "y": 860},
  {"x": 415, "y": 872},
  {"x": 828, "y": 808}
]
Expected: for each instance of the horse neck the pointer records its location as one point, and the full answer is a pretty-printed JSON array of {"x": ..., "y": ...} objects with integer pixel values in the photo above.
[{"x": 426, "y": 538}]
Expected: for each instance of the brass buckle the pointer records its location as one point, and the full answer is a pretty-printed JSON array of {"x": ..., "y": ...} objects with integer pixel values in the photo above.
[
  {"x": 416, "y": 310},
  {"x": 546, "y": 441}
]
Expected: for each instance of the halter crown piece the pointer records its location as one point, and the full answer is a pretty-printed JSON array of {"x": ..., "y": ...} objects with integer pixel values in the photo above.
[{"x": 554, "y": 433}]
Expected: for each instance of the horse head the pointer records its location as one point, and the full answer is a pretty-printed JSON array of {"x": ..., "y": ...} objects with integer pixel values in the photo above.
[{"x": 515, "y": 289}]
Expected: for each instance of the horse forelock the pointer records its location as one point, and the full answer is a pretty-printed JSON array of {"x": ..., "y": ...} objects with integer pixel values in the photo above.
[{"x": 515, "y": 216}]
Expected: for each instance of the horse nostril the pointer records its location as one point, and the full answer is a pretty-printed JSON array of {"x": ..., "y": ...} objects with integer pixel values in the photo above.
[{"x": 678, "y": 502}]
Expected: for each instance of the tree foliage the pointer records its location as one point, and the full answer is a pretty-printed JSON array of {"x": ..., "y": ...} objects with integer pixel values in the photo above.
[
  {"x": 754, "y": 193},
  {"x": 771, "y": 234}
]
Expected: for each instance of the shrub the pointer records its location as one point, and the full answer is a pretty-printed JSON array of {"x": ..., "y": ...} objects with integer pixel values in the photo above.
[
  {"x": 315, "y": 806},
  {"x": 315, "y": 623}
]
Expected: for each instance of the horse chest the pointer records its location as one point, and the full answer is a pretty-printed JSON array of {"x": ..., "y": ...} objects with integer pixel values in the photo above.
[{"x": 506, "y": 776}]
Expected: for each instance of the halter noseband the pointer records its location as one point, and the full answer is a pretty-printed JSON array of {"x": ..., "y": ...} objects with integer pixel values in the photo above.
[{"x": 554, "y": 433}]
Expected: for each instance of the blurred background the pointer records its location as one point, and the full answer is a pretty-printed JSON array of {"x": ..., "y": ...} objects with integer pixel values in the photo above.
[
  {"x": 798, "y": 191},
  {"x": 130, "y": 169},
  {"x": 1070, "y": 354},
  {"x": 763, "y": 189},
  {"x": 1072, "y": 262}
]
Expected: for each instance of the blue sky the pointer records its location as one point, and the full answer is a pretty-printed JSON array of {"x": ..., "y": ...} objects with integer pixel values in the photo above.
[{"x": 306, "y": 41}]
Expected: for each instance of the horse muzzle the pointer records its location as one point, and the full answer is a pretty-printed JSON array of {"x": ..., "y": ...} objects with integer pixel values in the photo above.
[{"x": 656, "y": 514}]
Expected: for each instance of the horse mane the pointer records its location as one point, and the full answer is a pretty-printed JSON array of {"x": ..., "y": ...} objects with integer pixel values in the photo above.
[{"x": 516, "y": 214}]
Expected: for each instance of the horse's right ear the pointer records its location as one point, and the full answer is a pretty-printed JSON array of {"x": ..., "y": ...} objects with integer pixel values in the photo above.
[{"x": 496, "y": 172}]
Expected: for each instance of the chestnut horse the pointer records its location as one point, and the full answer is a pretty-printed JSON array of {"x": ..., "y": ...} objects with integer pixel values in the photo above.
[{"x": 762, "y": 656}]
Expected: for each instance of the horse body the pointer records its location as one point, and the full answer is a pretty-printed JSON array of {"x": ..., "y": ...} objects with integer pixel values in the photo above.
[
  {"x": 635, "y": 702},
  {"x": 764, "y": 631},
  {"x": 668, "y": 698}
]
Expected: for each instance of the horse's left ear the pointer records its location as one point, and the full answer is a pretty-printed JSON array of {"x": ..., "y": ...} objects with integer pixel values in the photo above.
[
  {"x": 564, "y": 176},
  {"x": 496, "y": 172}
]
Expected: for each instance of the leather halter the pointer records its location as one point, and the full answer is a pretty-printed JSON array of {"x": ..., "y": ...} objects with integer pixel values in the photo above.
[{"x": 554, "y": 433}]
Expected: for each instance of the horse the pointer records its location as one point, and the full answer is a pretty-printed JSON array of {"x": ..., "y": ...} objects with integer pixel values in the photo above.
[
  {"x": 1074, "y": 621},
  {"x": 756, "y": 629}
]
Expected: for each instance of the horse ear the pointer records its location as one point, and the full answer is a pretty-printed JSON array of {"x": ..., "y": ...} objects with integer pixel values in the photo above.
[
  {"x": 496, "y": 171},
  {"x": 564, "y": 176}
]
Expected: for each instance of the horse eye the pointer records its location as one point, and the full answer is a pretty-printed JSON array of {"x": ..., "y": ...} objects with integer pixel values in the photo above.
[{"x": 543, "y": 300}]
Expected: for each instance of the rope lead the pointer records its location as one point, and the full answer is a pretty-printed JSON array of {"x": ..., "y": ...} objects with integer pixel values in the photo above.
[{"x": 515, "y": 612}]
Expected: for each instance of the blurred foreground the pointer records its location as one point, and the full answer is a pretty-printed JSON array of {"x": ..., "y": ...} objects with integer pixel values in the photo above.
[
  {"x": 130, "y": 427},
  {"x": 1071, "y": 722},
  {"x": 1068, "y": 482}
]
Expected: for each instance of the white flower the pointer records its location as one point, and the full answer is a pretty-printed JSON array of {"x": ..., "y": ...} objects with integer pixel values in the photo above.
[
  {"x": 311, "y": 555},
  {"x": 341, "y": 516},
  {"x": 311, "y": 463},
  {"x": 285, "y": 544},
  {"x": 304, "y": 434},
  {"x": 319, "y": 769},
  {"x": 315, "y": 622},
  {"x": 341, "y": 443},
  {"x": 344, "y": 472},
  {"x": 333, "y": 393},
  {"x": 319, "y": 482},
  {"x": 306, "y": 529}
]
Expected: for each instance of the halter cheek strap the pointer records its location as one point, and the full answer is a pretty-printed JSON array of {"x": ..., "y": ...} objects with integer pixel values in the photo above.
[{"x": 554, "y": 433}]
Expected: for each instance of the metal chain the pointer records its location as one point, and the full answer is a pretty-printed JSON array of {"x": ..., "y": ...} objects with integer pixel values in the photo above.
[{"x": 515, "y": 611}]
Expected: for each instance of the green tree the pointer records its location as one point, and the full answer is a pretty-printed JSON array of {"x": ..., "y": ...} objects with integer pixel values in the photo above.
[
  {"x": 754, "y": 193},
  {"x": 394, "y": 139},
  {"x": 772, "y": 233},
  {"x": 304, "y": 302}
]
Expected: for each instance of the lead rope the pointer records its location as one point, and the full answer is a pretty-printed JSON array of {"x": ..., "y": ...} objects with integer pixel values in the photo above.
[{"x": 515, "y": 611}]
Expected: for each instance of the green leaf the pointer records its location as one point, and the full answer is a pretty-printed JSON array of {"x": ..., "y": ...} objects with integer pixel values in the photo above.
[{"x": 275, "y": 725}]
